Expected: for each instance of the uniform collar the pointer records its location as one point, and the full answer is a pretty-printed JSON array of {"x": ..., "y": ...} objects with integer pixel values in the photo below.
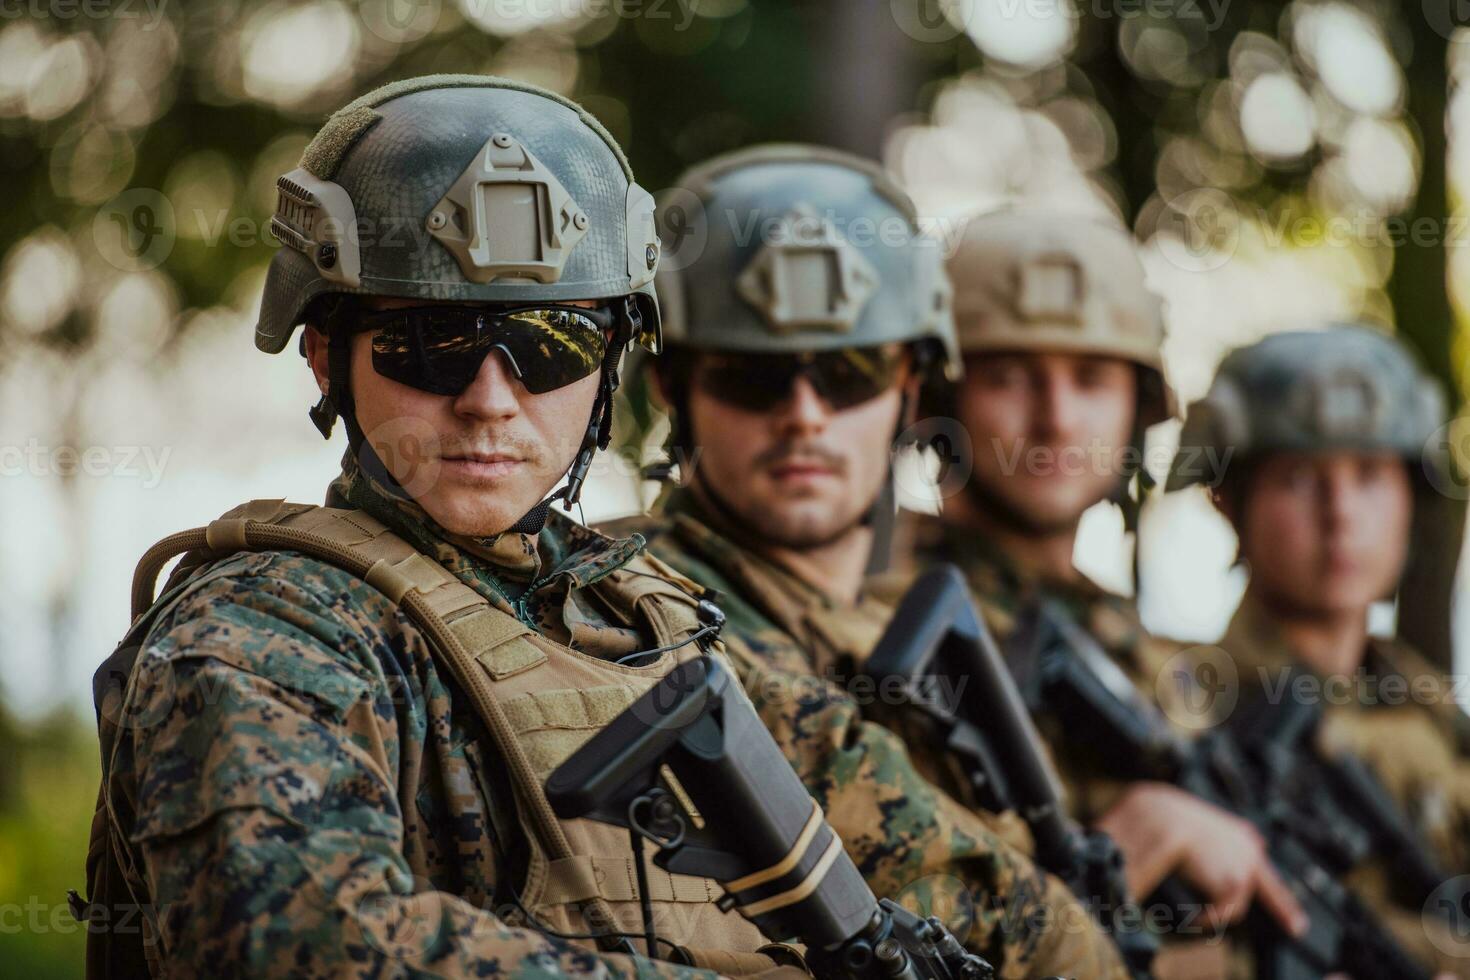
[
  {"x": 1257, "y": 645},
  {"x": 830, "y": 634},
  {"x": 715, "y": 540},
  {"x": 983, "y": 561}
]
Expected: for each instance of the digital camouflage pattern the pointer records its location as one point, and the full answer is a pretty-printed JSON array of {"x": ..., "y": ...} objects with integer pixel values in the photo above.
[
  {"x": 1399, "y": 716},
  {"x": 909, "y": 840},
  {"x": 300, "y": 792}
]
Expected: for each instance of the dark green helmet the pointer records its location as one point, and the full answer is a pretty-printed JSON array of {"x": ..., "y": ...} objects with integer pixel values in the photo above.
[
  {"x": 1347, "y": 387},
  {"x": 460, "y": 187}
]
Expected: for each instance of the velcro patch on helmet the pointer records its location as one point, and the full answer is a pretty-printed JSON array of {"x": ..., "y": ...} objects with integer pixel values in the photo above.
[
  {"x": 1344, "y": 405},
  {"x": 807, "y": 276},
  {"x": 1051, "y": 289},
  {"x": 508, "y": 216},
  {"x": 327, "y": 149}
]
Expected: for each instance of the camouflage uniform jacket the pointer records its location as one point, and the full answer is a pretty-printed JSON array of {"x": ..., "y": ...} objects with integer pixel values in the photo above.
[
  {"x": 1398, "y": 715},
  {"x": 1003, "y": 591},
  {"x": 308, "y": 796},
  {"x": 795, "y": 649}
]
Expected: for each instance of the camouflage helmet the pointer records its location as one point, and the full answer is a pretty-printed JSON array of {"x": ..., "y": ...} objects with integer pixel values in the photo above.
[
  {"x": 460, "y": 187},
  {"x": 1346, "y": 387},
  {"x": 1027, "y": 278},
  {"x": 793, "y": 248}
]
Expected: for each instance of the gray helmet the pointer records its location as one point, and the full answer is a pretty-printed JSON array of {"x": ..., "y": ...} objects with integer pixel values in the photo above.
[
  {"x": 1349, "y": 387},
  {"x": 460, "y": 187},
  {"x": 790, "y": 248}
]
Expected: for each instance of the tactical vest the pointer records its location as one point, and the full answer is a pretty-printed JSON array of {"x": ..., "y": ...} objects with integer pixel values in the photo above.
[{"x": 539, "y": 700}]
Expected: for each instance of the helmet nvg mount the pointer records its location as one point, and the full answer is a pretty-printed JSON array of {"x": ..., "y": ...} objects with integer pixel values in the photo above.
[
  {"x": 463, "y": 188},
  {"x": 1347, "y": 387}
]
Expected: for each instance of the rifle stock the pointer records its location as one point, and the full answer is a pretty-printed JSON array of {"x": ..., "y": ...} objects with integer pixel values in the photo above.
[{"x": 757, "y": 830}]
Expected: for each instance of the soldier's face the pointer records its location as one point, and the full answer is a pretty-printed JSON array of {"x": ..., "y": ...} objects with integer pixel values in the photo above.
[
  {"x": 799, "y": 474},
  {"x": 476, "y": 461},
  {"x": 1325, "y": 534},
  {"x": 1048, "y": 432}
]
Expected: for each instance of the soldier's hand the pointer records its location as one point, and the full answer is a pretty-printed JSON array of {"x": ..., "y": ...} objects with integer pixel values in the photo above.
[{"x": 1163, "y": 830}]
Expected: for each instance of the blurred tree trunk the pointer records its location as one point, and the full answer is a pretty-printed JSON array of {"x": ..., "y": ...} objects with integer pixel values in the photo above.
[
  {"x": 1119, "y": 93},
  {"x": 1418, "y": 290},
  {"x": 865, "y": 76}
]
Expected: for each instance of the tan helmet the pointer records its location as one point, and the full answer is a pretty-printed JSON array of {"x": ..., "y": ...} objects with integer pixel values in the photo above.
[{"x": 1026, "y": 278}]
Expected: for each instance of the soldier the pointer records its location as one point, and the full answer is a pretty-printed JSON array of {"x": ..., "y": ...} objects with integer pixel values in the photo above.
[
  {"x": 1328, "y": 437},
  {"x": 803, "y": 312},
  {"x": 296, "y": 780},
  {"x": 1063, "y": 375}
]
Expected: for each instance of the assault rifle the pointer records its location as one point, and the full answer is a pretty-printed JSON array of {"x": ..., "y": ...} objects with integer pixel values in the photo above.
[
  {"x": 949, "y": 667},
  {"x": 1320, "y": 816},
  {"x": 752, "y": 826}
]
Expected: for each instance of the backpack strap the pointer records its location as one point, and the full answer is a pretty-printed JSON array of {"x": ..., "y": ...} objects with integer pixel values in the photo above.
[{"x": 459, "y": 623}]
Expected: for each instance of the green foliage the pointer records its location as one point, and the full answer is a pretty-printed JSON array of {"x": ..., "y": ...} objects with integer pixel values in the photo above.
[{"x": 48, "y": 789}]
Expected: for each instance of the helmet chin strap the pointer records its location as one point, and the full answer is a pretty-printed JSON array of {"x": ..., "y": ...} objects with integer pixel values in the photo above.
[
  {"x": 599, "y": 426},
  {"x": 337, "y": 402}
]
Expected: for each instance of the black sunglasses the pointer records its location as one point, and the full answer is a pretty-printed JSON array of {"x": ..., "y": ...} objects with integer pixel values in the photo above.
[
  {"x": 439, "y": 349},
  {"x": 843, "y": 378}
]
